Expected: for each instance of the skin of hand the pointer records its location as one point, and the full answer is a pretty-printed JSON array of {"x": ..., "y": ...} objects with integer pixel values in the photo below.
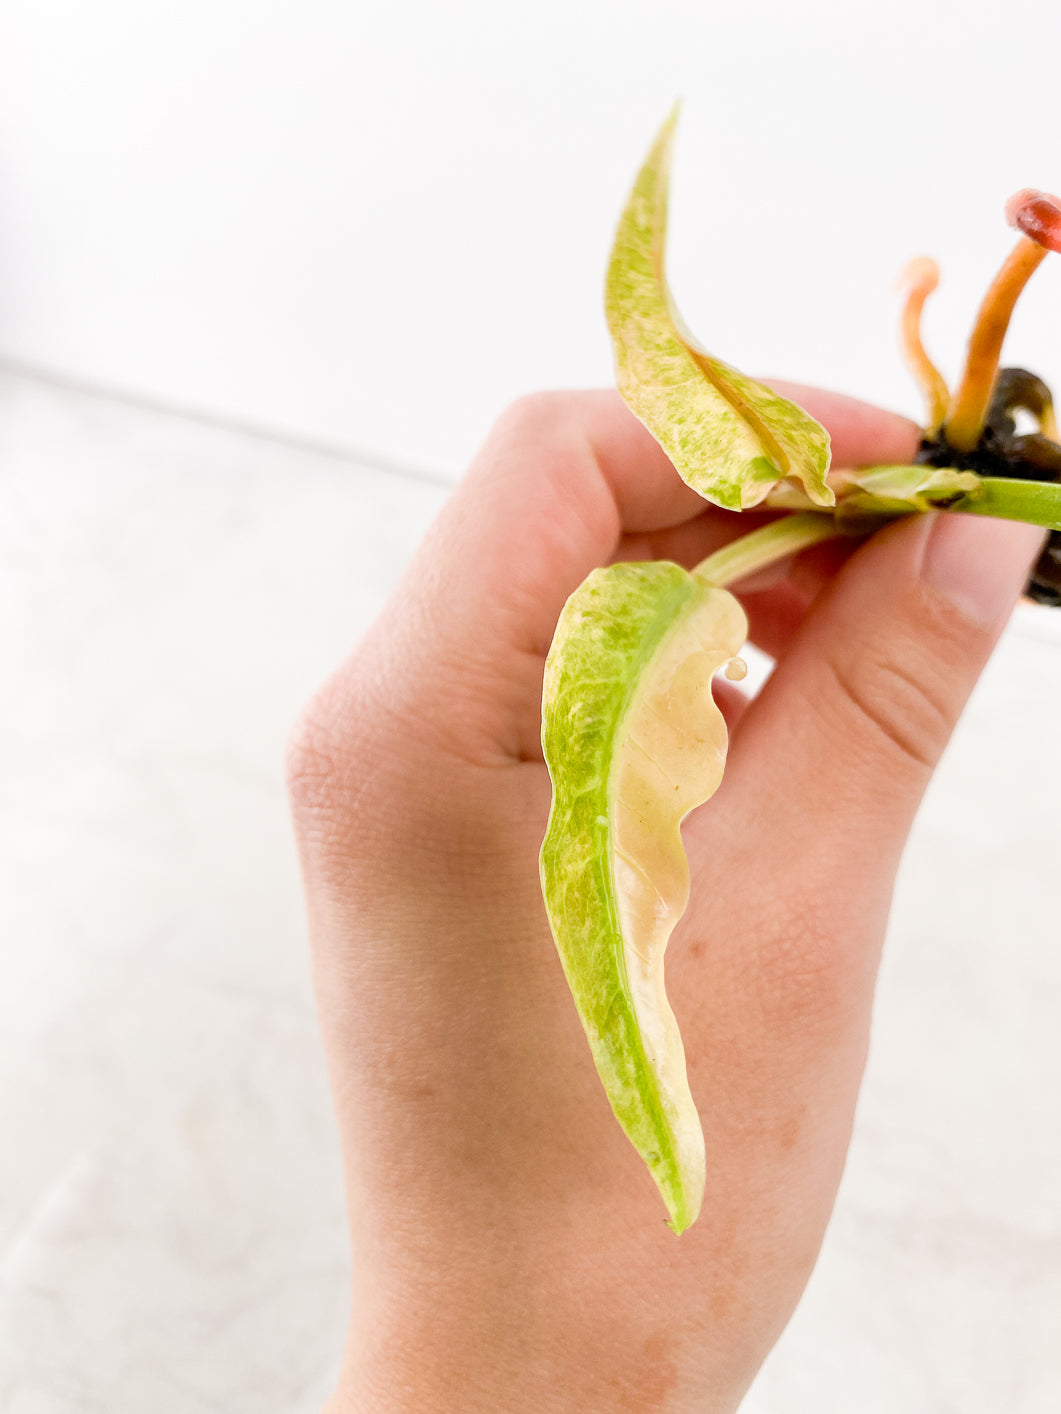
[{"x": 509, "y": 1248}]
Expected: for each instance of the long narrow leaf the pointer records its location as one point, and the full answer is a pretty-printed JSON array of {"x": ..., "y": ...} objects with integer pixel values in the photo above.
[{"x": 633, "y": 740}]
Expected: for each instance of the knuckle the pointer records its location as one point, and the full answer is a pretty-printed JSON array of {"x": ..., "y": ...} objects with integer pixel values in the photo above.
[
  {"x": 352, "y": 774},
  {"x": 899, "y": 699},
  {"x": 316, "y": 758}
]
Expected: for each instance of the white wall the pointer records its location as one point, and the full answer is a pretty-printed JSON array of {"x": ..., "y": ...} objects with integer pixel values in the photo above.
[{"x": 378, "y": 221}]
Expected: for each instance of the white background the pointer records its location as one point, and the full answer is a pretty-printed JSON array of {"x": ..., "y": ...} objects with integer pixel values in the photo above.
[
  {"x": 376, "y": 222},
  {"x": 360, "y": 229}
]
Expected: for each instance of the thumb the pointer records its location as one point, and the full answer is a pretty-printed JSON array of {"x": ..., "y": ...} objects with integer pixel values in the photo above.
[{"x": 844, "y": 737}]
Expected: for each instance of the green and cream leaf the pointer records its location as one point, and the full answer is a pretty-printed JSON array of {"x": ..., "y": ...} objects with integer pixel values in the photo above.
[
  {"x": 634, "y": 740},
  {"x": 730, "y": 437}
]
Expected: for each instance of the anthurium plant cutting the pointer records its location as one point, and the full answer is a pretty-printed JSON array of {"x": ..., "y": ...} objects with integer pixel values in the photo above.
[{"x": 631, "y": 733}]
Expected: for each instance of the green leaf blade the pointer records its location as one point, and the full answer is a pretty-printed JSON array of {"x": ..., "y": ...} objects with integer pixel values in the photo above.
[
  {"x": 731, "y": 438},
  {"x": 633, "y": 740}
]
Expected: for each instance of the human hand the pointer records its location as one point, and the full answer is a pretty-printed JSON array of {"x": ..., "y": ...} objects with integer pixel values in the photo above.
[{"x": 510, "y": 1251}]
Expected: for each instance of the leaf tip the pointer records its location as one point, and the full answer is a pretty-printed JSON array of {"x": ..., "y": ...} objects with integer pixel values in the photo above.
[{"x": 683, "y": 1213}]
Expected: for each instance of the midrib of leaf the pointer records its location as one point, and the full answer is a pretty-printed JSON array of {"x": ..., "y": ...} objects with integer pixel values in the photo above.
[
  {"x": 773, "y": 448},
  {"x": 664, "y": 623}
]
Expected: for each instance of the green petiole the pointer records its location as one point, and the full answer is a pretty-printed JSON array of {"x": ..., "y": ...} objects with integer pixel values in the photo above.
[
  {"x": 766, "y": 546},
  {"x": 1034, "y": 502}
]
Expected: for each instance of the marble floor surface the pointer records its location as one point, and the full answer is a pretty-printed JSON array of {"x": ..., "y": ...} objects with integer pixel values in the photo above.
[{"x": 171, "y": 1228}]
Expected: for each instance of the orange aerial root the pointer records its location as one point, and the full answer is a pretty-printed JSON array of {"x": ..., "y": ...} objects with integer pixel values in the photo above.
[
  {"x": 1037, "y": 215},
  {"x": 920, "y": 278}
]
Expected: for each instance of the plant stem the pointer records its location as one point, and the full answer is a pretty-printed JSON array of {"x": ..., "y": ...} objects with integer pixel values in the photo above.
[
  {"x": 1005, "y": 498},
  {"x": 773, "y": 542},
  {"x": 1034, "y": 502}
]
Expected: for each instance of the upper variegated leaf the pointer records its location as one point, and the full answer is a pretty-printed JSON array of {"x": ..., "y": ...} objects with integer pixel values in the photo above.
[{"x": 730, "y": 437}]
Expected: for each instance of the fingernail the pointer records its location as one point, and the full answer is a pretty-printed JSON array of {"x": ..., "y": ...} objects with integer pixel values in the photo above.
[{"x": 980, "y": 565}]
